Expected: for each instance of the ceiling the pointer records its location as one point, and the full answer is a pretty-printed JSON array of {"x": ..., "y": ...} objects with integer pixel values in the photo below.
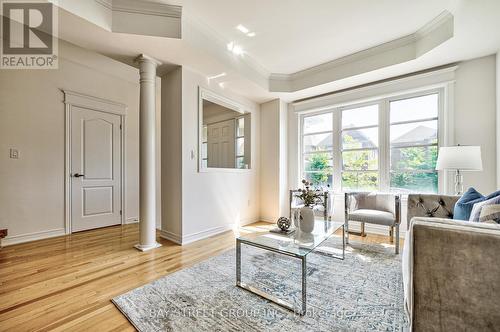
[{"x": 293, "y": 35}]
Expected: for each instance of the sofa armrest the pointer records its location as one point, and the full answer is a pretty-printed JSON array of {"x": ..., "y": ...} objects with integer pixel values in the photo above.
[
  {"x": 456, "y": 275},
  {"x": 434, "y": 206}
]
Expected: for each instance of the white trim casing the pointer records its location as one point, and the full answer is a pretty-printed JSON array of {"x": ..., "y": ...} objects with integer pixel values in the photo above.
[
  {"x": 22, "y": 238},
  {"x": 71, "y": 99},
  {"x": 186, "y": 239}
]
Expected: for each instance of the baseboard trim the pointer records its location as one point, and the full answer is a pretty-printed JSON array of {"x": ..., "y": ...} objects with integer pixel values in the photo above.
[
  {"x": 193, "y": 237},
  {"x": 133, "y": 220},
  {"x": 267, "y": 219},
  {"x": 206, "y": 233},
  {"x": 171, "y": 237},
  {"x": 22, "y": 238}
]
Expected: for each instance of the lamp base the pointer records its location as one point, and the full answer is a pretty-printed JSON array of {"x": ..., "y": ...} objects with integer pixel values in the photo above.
[{"x": 459, "y": 186}]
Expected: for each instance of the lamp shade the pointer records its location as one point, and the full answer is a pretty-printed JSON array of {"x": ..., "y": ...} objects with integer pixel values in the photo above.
[{"x": 462, "y": 157}]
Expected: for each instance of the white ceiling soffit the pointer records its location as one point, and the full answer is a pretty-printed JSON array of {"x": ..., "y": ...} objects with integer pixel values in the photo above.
[
  {"x": 129, "y": 16},
  {"x": 397, "y": 51}
]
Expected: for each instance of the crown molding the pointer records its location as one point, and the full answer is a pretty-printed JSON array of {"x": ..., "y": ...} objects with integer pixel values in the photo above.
[
  {"x": 108, "y": 4},
  {"x": 168, "y": 21},
  {"x": 434, "y": 77},
  {"x": 146, "y": 8},
  {"x": 146, "y": 58}
]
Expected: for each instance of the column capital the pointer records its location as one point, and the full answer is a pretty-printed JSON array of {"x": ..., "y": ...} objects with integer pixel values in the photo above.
[{"x": 146, "y": 58}]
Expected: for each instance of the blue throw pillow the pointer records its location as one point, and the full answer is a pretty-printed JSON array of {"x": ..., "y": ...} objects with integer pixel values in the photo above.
[
  {"x": 492, "y": 195},
  {"x": 464, "y": 205}
]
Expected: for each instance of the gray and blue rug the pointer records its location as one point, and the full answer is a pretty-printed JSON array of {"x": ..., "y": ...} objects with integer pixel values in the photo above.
[{"x": 364, "y": 292}]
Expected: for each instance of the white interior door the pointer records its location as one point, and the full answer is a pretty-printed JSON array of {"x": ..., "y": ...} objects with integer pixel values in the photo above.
[
  {"x": 96, "y": 169},
  {"x": 221, "y": 144}
]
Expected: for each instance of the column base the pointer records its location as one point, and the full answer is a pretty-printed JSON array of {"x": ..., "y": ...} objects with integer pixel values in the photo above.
[{"x": 141, "y": 247}]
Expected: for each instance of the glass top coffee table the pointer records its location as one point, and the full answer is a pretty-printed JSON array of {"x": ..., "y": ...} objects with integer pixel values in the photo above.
[{"x": 299, "y": 245}]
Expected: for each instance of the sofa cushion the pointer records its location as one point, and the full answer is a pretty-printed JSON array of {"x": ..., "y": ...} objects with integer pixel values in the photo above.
[
  {"x": 464, "y": 205},
  {"x": 373, "y": 217}
]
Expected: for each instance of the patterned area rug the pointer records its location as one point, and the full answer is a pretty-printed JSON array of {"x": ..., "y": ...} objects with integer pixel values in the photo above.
[{"x": 364, "y": 292}]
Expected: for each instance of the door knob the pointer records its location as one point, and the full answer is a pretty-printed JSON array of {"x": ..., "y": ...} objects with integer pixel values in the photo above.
[{"x": 76, "y": 175}]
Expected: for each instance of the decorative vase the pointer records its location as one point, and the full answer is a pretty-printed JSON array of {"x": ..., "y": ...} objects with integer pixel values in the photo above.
[
  {"x": 296, "y": 218},
  {"x": 306, "y": 219},
  {"x": 305, "y": 239}
]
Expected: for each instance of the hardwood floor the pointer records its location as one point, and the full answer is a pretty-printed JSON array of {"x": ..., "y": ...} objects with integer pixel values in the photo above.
[{"x": 66, "y": 283}]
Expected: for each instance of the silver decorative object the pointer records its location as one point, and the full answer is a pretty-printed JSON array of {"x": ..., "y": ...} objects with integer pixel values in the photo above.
[{"x": 283, "y": 223}]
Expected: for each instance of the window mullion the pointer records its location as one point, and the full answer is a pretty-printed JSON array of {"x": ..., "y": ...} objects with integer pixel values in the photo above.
[
  {"x": 337, "y": 150},
  {"x": 384, "y": 146}
]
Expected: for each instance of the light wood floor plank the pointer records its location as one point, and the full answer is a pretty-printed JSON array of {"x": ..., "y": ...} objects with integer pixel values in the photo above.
[{"x": 66, "y": 283}]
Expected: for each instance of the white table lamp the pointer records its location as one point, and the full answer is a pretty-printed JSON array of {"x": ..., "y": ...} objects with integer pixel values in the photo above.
[{"x": 459, "y": 158}]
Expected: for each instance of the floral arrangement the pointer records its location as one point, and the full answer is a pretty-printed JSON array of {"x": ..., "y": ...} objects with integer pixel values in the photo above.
[{"x": 309, "y": 195}]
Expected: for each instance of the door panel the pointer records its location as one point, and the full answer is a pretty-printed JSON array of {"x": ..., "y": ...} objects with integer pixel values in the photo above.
[
  {"x": 221, "y": 144},
  {"x": 97, "y": 200},
  {"x": 98, "y": 149},
  {"x": 96, "y": 169}
]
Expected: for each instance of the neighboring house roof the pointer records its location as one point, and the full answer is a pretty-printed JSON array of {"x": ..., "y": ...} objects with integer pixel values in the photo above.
[{"x": 418, "y": 135}]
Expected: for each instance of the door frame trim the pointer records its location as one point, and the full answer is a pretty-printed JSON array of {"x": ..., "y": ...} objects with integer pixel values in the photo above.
[{"x": 71, "y": 99}]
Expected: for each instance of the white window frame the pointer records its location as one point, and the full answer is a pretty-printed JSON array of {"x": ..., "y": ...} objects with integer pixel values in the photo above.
[
  {"x": 440, "y": 116},
  {"x": 384, "y": 148},
  {"x": 340, "y": 162},
  {"x": 236, "y": 137},
  {"x": 302, "y": 153}
]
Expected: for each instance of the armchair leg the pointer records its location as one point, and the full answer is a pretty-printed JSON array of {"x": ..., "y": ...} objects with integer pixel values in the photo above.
[
  {"x": 391, "y": 234},
  {"x": 397, "y": 239},
  {"x": 362, "y": 233},
  {"x": 347, "y": 231}
]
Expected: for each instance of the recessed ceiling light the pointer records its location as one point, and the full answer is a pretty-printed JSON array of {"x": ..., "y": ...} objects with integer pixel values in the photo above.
[
  {"x": 216, "y": 76},
  {"x": 237, "y": 50},
  {"x": 242, "y": 28},
  {"x": 251, "y": 34}
]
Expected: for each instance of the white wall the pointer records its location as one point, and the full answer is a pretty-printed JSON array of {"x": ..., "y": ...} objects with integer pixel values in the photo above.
[
  {"x": 171, "y": 149},
  {"x": 475, "y": 117},
  {"x": 274, "y": 196},
  {"x": 269, "y": 153},
  {"x": 212, "y": 201},
  {"x": 498, "y": 116},
  {"x": 32, "y": 121}
]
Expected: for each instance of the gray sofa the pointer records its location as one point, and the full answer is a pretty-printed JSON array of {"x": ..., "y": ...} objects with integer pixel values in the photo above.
[{"x": 451, "y": 268}]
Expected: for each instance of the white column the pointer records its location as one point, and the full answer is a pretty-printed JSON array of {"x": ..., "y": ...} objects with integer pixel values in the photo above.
[{"x": 147, "y": 153}]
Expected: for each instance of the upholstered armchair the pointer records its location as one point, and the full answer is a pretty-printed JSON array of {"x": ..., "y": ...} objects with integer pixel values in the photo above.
[{"x": 374, "y": 208}]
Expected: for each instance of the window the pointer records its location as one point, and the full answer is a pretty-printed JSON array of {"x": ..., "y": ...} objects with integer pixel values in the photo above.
[
  {"x": 360, "y": 148},
  {"x": 387, "y": 144},
  {"x": 240, "y": 143},
  {"x": 414, "y": 143},
  {"x": 204, "y": 144},
  {"x": 317, "y": 149}
]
